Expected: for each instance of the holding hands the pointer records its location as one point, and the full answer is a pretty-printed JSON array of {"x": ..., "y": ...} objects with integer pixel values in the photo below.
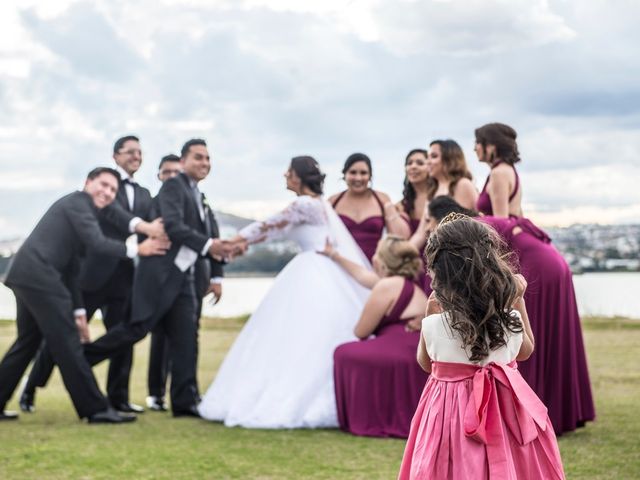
[{"x": 228, "y": 249}]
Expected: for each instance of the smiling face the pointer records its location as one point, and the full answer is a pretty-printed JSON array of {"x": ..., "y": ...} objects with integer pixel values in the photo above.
[
  {"x": 358, "y": 177},
  {"x": 416, "y": 168},
  {"x": 196, "y": 163},
  {"x": 102, "y": 189},
  {"x": 129, "y": 156}
]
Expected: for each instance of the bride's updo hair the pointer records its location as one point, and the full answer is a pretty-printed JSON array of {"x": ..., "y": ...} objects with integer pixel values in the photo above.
[
  {"x": 504, "y": 139},
  {"x": 398, "y": 256},
  {"x": 308, "y": 170}
]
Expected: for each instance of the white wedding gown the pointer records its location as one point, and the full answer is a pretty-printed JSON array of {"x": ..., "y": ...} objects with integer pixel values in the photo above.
[{"x": 279, "y": 371}]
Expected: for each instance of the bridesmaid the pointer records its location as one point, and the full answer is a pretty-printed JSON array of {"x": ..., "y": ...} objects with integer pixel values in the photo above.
[
  {"x": 451, "y": 176},
  {"x": 377, "y": 380},
  {"x": 501, "y": 195},
  {"x": 364, "y": 211},
  {"x": 557, "y": 371},
  {"x": 414, "y": 200},
  {"x": 416, "y": 187}
]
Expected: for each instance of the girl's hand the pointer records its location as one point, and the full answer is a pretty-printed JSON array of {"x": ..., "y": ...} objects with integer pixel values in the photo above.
[
  {"x": 521, "y": 284},
  {"x": 433, "y": 305}
]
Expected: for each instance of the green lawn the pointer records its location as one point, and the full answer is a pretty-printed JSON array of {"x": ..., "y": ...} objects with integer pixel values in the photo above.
[{"x": 53, "y": 443}]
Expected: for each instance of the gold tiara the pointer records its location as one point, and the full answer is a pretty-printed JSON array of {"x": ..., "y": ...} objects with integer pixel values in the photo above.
[{"x": 452, "y": 217}]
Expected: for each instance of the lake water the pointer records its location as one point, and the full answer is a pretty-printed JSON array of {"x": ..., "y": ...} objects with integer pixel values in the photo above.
[{"x": 605, "y": 294}]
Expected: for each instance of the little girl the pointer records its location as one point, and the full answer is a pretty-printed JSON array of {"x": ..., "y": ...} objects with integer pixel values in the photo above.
[{"x": 477, "y": 417}]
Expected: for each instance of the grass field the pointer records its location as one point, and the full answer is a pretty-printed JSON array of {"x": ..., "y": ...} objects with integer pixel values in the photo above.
[{"x": 53, "y": 443}]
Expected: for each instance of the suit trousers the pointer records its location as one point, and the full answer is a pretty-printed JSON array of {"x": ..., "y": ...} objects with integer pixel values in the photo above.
[
  {"x": 50, "y": 316},
  {"x": 159, "y": 365},
  {"x": 114, "y": 301},
  {"x": 177, "y": 316}
]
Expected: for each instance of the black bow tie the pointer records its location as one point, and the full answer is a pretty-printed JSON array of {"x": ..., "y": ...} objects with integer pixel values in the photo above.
[{"x": 128, "y": 181}]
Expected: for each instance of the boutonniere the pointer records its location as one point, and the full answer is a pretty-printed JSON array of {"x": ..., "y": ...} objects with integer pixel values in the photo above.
[{"x": 205, "y": 202}]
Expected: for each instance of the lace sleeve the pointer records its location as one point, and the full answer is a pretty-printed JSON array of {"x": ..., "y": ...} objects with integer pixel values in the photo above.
[{"x": 302, "y": 210}]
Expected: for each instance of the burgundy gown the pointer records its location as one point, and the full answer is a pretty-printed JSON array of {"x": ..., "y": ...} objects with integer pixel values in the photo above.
[
  {"x": 378, "y": 381},
  {"x": 368, "y": 232},
  {"x": 557, "y": 370},
  {"x": 423, "y": 278}
]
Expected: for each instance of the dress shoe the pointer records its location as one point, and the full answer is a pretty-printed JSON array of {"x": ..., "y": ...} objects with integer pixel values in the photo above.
[
  {"x": 8, "y": 415},
  {"x": 111, "y": 416},
  {"x": 27, "y": 402},
  {"x": 156, "y": 404},
  {"x": 192, "y": 411},
  {"x": 128, "y": 407}
]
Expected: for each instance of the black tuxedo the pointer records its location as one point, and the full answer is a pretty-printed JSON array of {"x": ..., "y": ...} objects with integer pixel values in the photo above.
[
  {"x": 42, "y": 277},
  {"x": 106, "y": 284},
  {"x": 161, "y": 290},
  {"x": 159, "y": 362}
]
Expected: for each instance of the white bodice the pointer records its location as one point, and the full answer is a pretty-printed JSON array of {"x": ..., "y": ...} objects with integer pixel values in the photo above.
[{"x": 444, "y": 344}]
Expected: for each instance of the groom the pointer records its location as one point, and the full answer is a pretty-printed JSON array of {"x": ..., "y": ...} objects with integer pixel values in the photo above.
[{"x": 166, "y": 289}]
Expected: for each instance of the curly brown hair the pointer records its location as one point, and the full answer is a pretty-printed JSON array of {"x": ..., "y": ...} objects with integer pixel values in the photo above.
[{"x": 473, "y": 280}]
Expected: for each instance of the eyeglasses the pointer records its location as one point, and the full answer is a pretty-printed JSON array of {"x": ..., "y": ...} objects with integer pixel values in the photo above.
[{"x": 132, "y": 151}]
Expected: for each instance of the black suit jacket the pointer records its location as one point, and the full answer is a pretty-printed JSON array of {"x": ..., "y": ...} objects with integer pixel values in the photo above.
[
  {"x": 48, "y": 260},
  {"x": 157, "y": 277},
  {"x": 97, "y": 269}
]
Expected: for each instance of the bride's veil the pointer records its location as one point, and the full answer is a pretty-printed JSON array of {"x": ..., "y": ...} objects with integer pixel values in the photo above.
[{"x": 342, "y": 239}]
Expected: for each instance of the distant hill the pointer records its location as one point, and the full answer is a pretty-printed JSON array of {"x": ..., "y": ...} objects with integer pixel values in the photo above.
[{"x": 268, "y": 258}]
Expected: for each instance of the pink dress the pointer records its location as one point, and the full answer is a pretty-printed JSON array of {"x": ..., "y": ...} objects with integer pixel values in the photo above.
[{"x": 478, "y": 421}]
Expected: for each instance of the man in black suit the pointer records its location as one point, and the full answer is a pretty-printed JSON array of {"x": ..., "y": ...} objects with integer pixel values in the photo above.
[
  {"x": 43, "y": 277},
  {"x": 208, "y": 279},
  {"x": 167, "y": 289},
  {"x": 106, "y": 281}
]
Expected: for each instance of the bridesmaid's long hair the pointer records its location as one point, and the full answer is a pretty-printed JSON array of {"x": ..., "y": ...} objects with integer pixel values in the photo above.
[
  {"x": 454, "y": 165},
  {"x": 474, "y": 283},
  {"x": 308, "y": 170},
  {"x": 408, "y": 192},
  {"x": 504, "y": 139}
]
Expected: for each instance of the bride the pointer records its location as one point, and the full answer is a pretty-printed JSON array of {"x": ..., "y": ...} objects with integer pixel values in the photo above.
[{"x": 279, "y": 371}]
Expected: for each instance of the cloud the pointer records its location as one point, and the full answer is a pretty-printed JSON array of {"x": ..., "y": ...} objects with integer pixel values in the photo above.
[{"x": 264, "y": 80}]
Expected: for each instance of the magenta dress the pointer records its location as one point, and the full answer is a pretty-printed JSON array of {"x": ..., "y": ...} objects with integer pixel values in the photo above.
[
  {"x": 557, "y": 370},
  {"x": 423, "y": 278},
  {"x": 378, "y": 381},
  {"x": 368, "y": 232}
]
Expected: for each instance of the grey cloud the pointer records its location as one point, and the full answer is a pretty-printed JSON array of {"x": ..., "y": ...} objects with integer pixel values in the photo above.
[{"x": 84, "y": 38}]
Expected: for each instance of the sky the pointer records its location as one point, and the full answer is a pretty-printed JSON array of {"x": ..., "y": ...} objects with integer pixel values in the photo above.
[{"x": 265, "y": 80}]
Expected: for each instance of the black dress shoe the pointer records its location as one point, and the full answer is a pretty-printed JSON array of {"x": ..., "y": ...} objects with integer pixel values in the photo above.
[
  {"x": 110, "y": 416},
  {"x": 27, "y": 402},
  {"x": 8, "y": 415},
  {"x": 156, "y": 404},
  {"x": 192, "y": 411},
  {"x": 128, "y": 407}
]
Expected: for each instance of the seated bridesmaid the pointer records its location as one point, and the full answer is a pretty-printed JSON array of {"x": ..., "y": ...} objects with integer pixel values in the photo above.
[
  {"x": 378, "y": 382},
  {"x": 364, "y": 211},
  {"x": 450, "y": 174},
  {"x": 557, "y": 371}
]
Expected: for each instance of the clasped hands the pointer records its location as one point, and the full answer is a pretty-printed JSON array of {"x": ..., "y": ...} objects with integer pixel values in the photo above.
[{"x": 227, "y": 250}]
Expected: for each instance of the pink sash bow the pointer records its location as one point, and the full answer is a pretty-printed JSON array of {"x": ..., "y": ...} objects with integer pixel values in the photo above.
[{"x": 499, "y": 394}]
